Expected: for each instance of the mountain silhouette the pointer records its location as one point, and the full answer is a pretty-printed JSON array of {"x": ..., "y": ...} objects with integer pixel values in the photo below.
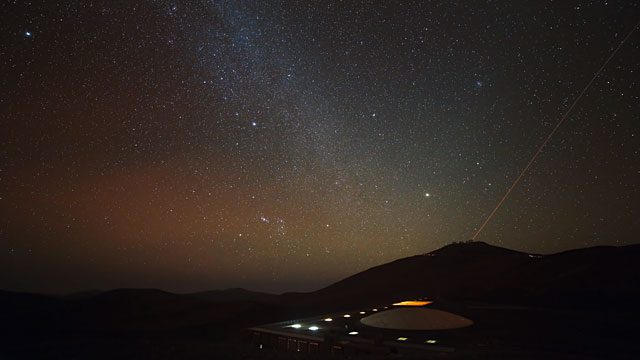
[
  {"x": 511, "y": 296},
  {"x": 477, "y": 271}
]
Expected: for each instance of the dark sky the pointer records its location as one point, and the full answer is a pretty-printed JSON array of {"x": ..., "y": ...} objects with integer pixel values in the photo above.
[{"x": 284, "y": 145}]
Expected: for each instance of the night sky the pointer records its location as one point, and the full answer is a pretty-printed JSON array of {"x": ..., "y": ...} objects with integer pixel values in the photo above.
[{"x": 284, "y": 145}]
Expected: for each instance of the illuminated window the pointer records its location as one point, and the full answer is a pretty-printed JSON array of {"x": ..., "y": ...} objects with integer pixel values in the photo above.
[
  {"x": 337, "y": 350},
  {"x": 328, "y": 319},
  {"x": 353, "y": 333},
  {"x": 402, "y": 339},
  {"x": 430, "y": 341},
  {"x": 302, "y": 346},
  {"x": 292, "y": 345}
]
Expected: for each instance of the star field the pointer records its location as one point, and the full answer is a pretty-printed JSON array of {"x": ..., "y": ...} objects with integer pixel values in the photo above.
[{"x": 284, "y": 145}]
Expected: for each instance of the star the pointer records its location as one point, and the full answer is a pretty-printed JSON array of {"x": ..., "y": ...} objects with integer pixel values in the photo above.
[{"x": 358, "y": 120}]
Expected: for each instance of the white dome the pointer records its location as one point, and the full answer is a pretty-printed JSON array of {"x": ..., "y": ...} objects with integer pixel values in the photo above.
[{"x": 416, "y": 319}]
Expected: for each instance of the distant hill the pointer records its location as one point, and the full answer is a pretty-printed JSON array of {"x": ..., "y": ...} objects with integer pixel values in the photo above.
[
  {"x": 151, "y": 323},
  {"x": 125, "y": 323},
  {"x": 15, "y": 303},
  {"x": 481, "y": 272},
  {"x": 471, "y": 271},
  {"x": 234, "y": 294}
]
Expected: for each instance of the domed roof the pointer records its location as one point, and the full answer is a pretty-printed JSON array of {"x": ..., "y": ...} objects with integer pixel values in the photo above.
[{"x": 416, "y": 319}]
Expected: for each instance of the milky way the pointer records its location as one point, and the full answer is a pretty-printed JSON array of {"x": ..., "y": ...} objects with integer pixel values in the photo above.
[{"x": 282, "y": 145}]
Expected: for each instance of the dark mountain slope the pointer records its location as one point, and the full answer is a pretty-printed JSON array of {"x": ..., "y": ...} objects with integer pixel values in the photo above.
[
  {"x": 597, "y": 276},
  {"x": 485, "y": 273}
]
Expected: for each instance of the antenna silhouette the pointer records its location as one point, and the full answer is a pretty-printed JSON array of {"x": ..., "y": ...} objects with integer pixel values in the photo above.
[{"x": 526, "y": 168}]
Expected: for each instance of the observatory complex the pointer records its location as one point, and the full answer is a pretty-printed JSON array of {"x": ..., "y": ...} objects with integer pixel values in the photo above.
[{"x": 405, "y": 328}]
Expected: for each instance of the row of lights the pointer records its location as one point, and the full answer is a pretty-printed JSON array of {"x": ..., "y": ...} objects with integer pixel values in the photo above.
[
  {"x": 430, "y": 341},
  {"x": 353, "y": 333},
  {"x": 298, "y": 326},
  {"x": 314, "y": 328},
  {"x": 345, "y": 316}
]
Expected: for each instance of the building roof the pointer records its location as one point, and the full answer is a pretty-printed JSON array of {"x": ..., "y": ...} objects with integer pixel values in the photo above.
[{"x": 413, "y": 318}]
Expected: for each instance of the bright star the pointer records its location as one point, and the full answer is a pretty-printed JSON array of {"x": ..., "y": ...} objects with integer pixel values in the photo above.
[
  {"x": 27, "y": 33},
  {"x": 427, "y": 195}
]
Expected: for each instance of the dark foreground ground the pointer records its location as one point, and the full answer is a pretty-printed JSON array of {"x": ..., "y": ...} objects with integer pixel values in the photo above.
[
  {"x": 150, "y": 324},
  {"x": 579, "y": 304}
]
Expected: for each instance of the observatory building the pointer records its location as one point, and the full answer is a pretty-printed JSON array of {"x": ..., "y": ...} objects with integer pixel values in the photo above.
[
  {"x": 408, "y": 327},
  {"x": 416, "y": 319}
]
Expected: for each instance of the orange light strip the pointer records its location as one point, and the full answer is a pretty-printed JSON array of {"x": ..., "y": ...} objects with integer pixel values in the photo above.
[{"x": 412, "y": 303}]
